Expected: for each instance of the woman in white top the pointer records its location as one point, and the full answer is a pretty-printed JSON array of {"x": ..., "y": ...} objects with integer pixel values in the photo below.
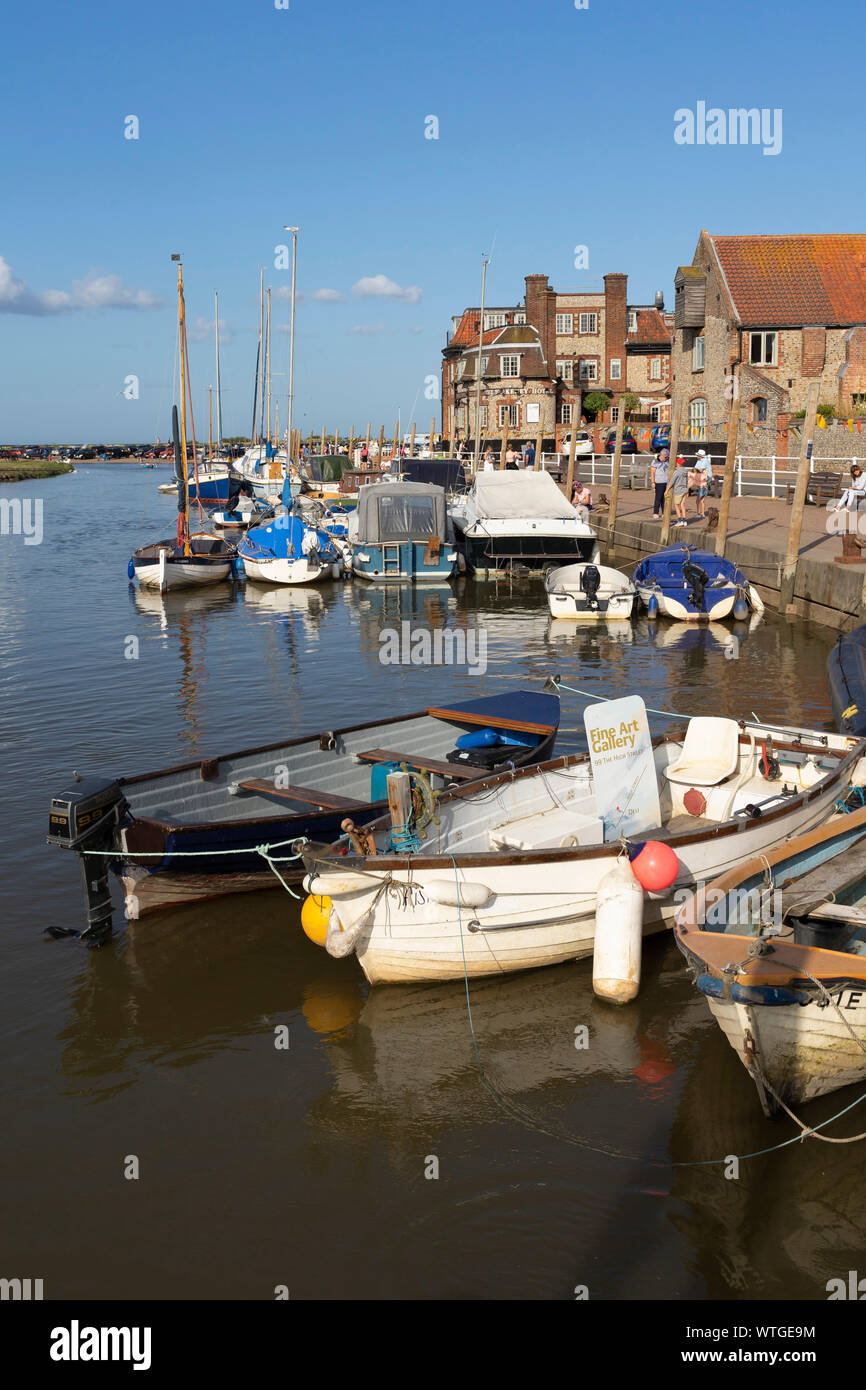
[{"x": 853, "y": 496}]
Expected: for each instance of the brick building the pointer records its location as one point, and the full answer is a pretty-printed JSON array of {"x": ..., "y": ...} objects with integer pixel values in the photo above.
[
  {"x": 540, "y": 358},
  {"x": 786, "y": 310}
]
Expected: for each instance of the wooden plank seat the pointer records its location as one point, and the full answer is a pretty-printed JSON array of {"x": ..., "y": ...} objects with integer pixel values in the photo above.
[
  {"x": 422, "y": 764},
  {"x": 824, "y": 483},
  {"x": 327, "y": 800}
]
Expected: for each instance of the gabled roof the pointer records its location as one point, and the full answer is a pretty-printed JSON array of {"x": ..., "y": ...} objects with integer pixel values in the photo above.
[
  {"x": 793, "y": 280},
  {"x": 651, "y": 327},
  {"x": 467, "y": 329}
]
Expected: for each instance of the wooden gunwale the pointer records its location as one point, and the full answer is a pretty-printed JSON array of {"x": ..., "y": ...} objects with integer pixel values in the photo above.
[
  {"x": 482, "y": 859},
  {"x": 690, "y": 916}
]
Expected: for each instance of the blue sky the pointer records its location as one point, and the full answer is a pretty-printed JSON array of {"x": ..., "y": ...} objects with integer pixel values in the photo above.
[{"x": 555, "y": 129}]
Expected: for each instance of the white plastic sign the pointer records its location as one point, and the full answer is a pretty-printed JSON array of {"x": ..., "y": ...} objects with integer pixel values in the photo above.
[{"x": 623, "y": 768}]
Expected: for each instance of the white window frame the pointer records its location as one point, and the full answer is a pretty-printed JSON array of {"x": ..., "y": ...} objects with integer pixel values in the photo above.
[
  {"x": 565, "y": 368},
  {"x": 697, "y": 418},
  {"x": 616, "y": 369},
  {"x": 632, "y": 321},
  {"x": 505, "y": 362},
  {"x": 494, "y": 320},
  {"x": 520, "y": 317},
  {"x": 614, "y": 415},
  {"x": 565, "y": 413},
  {"x": 588, "y": 369},
  {"x": 588, "y": 324},
  {"x": 655, "y": 371},
  {"x": 513, "y": 416},
  {"x": 699, "y": 353},
  {"x": 564, "y": 325},
  {"x": 763, "y": 360},
  {"x": 654, "y": 414}
]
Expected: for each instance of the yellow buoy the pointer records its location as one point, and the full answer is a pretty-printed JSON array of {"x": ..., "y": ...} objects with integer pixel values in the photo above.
[{"x": 314, "y": 918}]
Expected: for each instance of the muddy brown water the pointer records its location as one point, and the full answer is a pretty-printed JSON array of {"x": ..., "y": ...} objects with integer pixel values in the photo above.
[{"x": 306, "y": 1167}]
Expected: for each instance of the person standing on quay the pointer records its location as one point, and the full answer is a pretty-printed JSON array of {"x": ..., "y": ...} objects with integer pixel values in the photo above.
[
  {"x": 704, "y": 470},
  {"x": 679, "y": 485},
  {"x": 529, "y": 455},
  {"x": 659, "y": 480}
]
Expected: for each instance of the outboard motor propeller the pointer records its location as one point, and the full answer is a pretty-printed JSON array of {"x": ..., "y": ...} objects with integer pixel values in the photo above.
[
  {"x": 590, "y": 581},
  {"x": 697, "y": 579}
]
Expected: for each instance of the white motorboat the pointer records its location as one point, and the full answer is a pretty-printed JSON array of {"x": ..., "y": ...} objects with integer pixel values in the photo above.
[
  {"x": 518, "y": 518},
  {"x": 590, "y": 593},
  {"x": 505, "y": 875}
]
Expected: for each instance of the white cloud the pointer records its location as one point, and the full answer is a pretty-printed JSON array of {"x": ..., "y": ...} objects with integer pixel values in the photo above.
[
  {"x": 203, "y": 331},
  {"x": 95, "y": 291},
  {"x": 369, "y": 328},
  {"x": 380, "y": 287},
  {"x": 325, "y": 296}
]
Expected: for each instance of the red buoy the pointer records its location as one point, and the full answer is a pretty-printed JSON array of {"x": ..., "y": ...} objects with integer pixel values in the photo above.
[{"x": 655, "y": 867}]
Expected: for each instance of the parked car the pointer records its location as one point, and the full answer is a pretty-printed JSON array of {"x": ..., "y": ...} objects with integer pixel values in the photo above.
[
  {"x": 629, "y": 443},
  {"x": 582, "y": 444},
  {"x": 661, "y": 438}
]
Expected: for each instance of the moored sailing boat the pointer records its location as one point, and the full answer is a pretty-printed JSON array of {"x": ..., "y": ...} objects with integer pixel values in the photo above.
[{"x": 188, "y": 560}]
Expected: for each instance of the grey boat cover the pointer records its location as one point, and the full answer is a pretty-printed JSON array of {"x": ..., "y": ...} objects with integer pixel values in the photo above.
[
  {"x": 401, "y": 512},
  {"x": 515, "y": 494}
]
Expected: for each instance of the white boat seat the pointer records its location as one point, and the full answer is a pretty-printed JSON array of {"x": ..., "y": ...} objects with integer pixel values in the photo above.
[{"x": 711, "y": 753}]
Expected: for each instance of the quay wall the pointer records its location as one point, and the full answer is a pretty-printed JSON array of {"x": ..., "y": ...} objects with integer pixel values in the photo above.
[{"x": 827, "y": 593}]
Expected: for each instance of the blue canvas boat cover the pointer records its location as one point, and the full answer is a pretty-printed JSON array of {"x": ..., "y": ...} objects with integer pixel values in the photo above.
[
  {"x": 665, "y": 568},
  {"x": 527, "y": 709}
]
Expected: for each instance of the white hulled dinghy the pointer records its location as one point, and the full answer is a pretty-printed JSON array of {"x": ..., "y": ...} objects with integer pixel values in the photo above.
[
  {"x": 505, "y": 877},
  {"x": 778, "y": 948},
  {"x": 590, "y": 593}
]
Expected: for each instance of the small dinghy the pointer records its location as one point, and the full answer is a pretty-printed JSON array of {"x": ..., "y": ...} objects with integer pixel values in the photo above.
[
  {"x": 695, "y": 586},
  {"x": 778, "y": 949},
  {"x": 846, "y": 677},
  {"x": 195, "y": 831},
  {"x": 508, "y": 875},
  {"x": 590, "y": 593}
]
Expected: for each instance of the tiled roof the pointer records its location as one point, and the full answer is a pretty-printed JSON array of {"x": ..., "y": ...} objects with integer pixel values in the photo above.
[
  {"x": 467, "y": 333},
  {"x": 796, "y": 279},
  {"x": 651, "y": 328}
]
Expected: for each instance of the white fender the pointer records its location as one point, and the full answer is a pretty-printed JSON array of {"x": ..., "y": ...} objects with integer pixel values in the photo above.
[
  {"x": 340, "y": 885},
  {"x": 755, "y": 599},
  {"x": 616, "y": 957},
  {"x": 446, "y": 892},
  {"x": 341, "y": 941}
]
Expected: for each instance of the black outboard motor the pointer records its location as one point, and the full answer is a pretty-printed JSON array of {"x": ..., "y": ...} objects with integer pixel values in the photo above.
[
  {"x": 590, "y": 581},
  {"x": 697, "y": 580},
  {"x": 238, "y": 487},
  {"x": 85, "y": 817}
]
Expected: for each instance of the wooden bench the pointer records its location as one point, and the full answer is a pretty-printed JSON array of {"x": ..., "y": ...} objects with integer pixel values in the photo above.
[
  {"x": 421, "y": 764},
  {"x": 820, "y": 484},
  {"x": 327, "y": 800}
]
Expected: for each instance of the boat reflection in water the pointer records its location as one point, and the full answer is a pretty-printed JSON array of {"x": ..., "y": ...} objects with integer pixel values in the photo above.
[
  {"x": 174, "y": 606},
  {"x": 790, "y": 1220}
]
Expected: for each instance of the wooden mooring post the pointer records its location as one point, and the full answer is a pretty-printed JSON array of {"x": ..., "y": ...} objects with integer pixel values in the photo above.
[
  {"x": 730, "y": 466},
  {"x": 788, "y": 570}
]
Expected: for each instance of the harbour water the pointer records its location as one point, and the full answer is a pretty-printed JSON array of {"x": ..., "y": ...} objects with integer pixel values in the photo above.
[{"x": 310, "y": 1166}]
